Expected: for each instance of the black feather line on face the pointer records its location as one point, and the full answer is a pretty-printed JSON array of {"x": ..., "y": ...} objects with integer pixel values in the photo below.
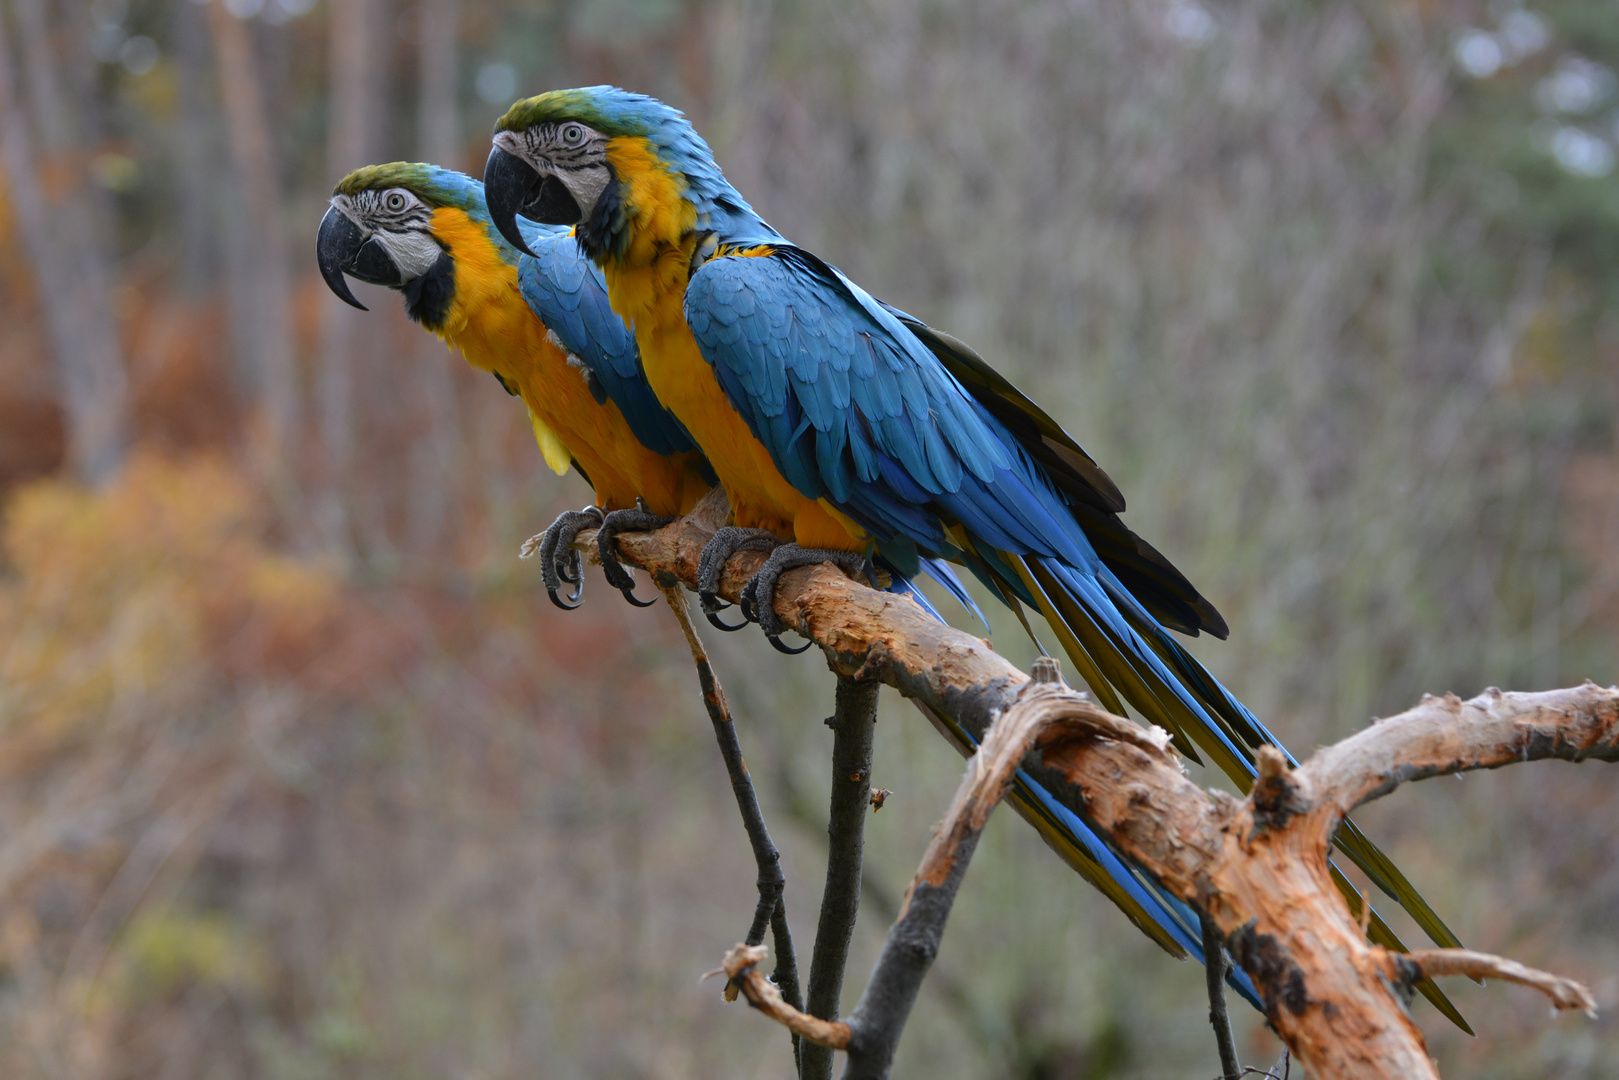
[{"x": 427, "y": 299}]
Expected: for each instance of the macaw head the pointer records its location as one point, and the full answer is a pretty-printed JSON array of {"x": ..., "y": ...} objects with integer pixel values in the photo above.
[
  {"x": 386, "y": 226},
  {"x": 601, "y": 159}
]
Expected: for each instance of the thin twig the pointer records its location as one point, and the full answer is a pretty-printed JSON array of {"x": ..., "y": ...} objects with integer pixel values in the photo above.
[
  {"x": 1285, "y": 1065},
  {"x": 1565, "y": 994},
  {"x": 786, "y": 974},
  {"x": 770, "y": 910},
  {"x": 853, "y": 725},
  {"x": 1215, "y": 966},
  {"x": 762, "y": 994}
]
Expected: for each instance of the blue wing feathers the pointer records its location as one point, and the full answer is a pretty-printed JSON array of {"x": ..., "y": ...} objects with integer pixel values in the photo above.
[
  {"x": 940, "y": 571},
  {"x": 854, "y": 408},
  {"x": 569, "y": 295}
]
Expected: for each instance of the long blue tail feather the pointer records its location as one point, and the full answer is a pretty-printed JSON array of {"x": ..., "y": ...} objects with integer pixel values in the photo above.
[
  {"x": 1173, "y": 914},
  {"x": 940, "y": 571},
  {"x": 900, "y": 584}
]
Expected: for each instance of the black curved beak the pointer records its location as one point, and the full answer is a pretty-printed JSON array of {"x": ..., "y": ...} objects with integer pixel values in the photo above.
[
  {"x": 511, "y": 186},
  {"x": 339, "y": 242},
  {"x": 343, "y": 248}
]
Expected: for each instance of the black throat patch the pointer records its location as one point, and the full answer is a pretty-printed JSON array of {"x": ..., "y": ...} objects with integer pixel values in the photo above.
[
  {"x": 427, "y": 299},
  {"x": 607, "y": 232}
]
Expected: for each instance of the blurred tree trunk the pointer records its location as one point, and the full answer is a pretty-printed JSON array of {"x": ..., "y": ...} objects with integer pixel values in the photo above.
[
  {"x": 265, "y": 321},
  {"x": 439, "y": 58},
  {"x": 65, "y": 246},
  {"x": 194, "y": 172},
  {"x": 357, "y": 44},
  {"x": 438, "y": 119},
  {"x": 693, "y": 42}
]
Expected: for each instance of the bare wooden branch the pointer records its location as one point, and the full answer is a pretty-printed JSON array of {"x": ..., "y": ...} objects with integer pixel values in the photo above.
[
  {"x": 913, "y": 940},
  {"x": 853, "y": 725},
  {"x": 1256, "y": 867},
  {"x": 740, "y": 967},
  {"x": 785, "y": 977},
  {"x": 1446, "y": 735},
  {"x": 1565, "y": 993},
  {"x": 771, "y": 882},
  {"x": 865, "y": 633},
  {"x": 1215, "y": 966}
]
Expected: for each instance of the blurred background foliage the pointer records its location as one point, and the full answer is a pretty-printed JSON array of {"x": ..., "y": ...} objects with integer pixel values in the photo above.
[{"x": 300, "y": 775}]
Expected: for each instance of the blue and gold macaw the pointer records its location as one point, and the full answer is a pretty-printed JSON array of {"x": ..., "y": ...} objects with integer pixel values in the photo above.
[
  {"x": 540, "y": 323},
  {"x": 836, "y": 422}
]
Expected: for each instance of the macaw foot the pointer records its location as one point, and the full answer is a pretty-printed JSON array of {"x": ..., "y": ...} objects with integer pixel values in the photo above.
[
  {"x": 725, "y": 543},
  {"x": 785, "y": 558},
  {"x": 559, "y": 562},
  {"x": 637, "y": 520}
]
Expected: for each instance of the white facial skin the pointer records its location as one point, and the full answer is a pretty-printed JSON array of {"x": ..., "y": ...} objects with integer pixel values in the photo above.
[
  {"x": 399, "y": 221},
  {"x": 574, "y": 153}
]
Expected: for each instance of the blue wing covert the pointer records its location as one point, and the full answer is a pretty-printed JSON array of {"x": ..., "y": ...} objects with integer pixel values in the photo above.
[{"x": 568, "y": 293}]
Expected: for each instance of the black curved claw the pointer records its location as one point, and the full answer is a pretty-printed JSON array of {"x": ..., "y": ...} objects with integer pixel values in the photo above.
[
  {"x": 775, "y": 643},
  {"x": 559, "y": 562},
  {"x": 636, "y": 520},
  {"x": 629, "y": 594},
  {"x": 559, "y": 602},
  {"x": 715, "y": 621},
  {"x": 568, "y": 566},
  {"x": 560, "y": 567}
]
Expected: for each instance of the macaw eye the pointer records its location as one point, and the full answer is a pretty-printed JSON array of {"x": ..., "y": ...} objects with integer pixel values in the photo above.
[
  {"x": 394, "y": 201},
  {"x": 573, "y": 135}
]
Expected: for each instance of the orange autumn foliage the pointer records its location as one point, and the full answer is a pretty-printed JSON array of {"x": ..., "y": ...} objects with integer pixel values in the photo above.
[{"x": 142, "y": 595}]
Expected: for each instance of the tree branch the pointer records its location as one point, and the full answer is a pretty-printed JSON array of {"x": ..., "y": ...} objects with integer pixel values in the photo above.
[
  {"x": 1262, "y": 876},
  {"x": 1565, "y": 993},
  {"x": 877, "y": 901},
  {"x": 853, "y": 726},
  {"x": 1215, "y": 967},
  {"x": 1448, "y": 735},
  {"x": 763, "y": 995},
  {"x": 872, "y": 1033},
  {"x": 913, "y": 940},
  {"x": 1257, "y": 867},
  {"x": 865, "y": 633},
  {"x": 771, "y": 909}
]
